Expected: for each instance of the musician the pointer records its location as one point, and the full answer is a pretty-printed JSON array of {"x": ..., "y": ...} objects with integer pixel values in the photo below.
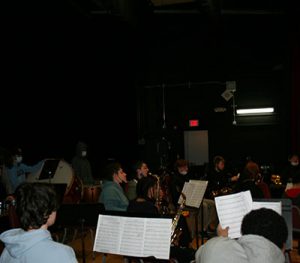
[
  {"x": 290, "y": 171},
  {"x": 140, "y": 170},
  {"x": 36, "y": 206},
  {"x": 264, "y": 233},
  {"x": 145, "y": 204},
  {"x": 219, "y": 178},
  {"x": 112, "y": 194},
  {"x": 81, "y": 165},
  {"x": 249, "y": 179},
  {"x": 179, "y": 177},
  {"x": 145, "y": 196},
  {"x": 15, "y": 171}
]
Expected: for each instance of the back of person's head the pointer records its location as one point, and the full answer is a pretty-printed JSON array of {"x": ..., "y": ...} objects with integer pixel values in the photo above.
[
  {"x": 110, "y": 169},
  {"x": 252, "y": 170},
  {"x": 34, "y": 204},
  {"x": 143, "y": 186},
  {"x": 267, "y": 223}
]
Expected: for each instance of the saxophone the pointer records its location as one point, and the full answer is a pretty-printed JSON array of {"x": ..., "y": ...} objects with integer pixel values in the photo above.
[
  {"x": 161, "y": 207},
  {"x": 176, "y": 233}
]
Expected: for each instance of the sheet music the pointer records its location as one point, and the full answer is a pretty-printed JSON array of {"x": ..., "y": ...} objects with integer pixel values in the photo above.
[
  {"x": 194, "y": 191},
  {"x": 231, "y": 210},
  {"x": 276, "y": 206},
  {"x": 133, "y": 236}
]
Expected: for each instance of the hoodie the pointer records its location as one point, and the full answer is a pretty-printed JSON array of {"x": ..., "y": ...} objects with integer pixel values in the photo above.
[
  {"x": 113, "y": 197},
  {"x": 81, "y": 165},
  {"x": 246, "y": 249},
  {"x": 34, "y": 246}
]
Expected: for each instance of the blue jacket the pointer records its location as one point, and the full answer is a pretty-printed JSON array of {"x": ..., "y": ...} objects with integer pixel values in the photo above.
[
  {"x": 17, "y": 175},
  {"x": 113, "y": 197},
  {"x": 34, "y": 246}
]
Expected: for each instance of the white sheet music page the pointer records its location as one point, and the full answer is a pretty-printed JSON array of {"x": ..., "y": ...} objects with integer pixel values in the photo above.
[
  {"x": 108, "y": 234},
  {"x": 231, "y": 209},
  {"x": 133, "y": 236},
  {"x": 194, "y": 191},
  {"x": 276, "y": 206},
  {"x": 157, "y": 237}
]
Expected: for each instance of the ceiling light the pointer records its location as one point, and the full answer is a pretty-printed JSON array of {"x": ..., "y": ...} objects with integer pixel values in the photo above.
[{"x": 255, "y": 111}]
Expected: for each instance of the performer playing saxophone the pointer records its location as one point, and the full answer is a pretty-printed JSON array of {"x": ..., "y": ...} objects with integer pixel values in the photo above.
[{"x": 145, "y": 204}]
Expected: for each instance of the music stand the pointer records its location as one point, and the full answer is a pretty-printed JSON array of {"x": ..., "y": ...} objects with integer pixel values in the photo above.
[
  {"x": 79, "y": 216},
  {"x": 49, "y": 169}
]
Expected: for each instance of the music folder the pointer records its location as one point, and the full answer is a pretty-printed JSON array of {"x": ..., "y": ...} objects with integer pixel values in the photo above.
[{"x": 133, "y": 236}]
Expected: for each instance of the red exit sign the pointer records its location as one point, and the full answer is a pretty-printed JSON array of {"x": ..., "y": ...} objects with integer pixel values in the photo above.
[{"x": 193, "y": 123}]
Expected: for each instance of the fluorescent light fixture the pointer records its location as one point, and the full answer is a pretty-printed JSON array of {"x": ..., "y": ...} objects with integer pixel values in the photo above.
[{"x": 255, "y": 111}]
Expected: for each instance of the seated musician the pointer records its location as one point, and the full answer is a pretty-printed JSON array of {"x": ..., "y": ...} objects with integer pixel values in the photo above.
[
  {"x": 140, "y": 170},
  {"x": 290, "y": 171},
  {"x": 249, "y": 180},
  {"x": 112, "y": 194},
  {"x": 220, "y": 180},
  {"x": 179, "y": 177},
  {"x": 264, "y": 234},
  {"x": 36, "y": 206},
  {"x": 145, "y": 203}
]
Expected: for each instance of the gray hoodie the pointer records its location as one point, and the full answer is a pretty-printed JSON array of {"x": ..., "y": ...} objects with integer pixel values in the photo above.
[
  {"x": 246, "y": 249},
  {"x": 34, "y": 246}
]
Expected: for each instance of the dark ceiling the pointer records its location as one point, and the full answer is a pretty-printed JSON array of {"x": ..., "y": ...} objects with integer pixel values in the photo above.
[{"x": 102, "y": 45}]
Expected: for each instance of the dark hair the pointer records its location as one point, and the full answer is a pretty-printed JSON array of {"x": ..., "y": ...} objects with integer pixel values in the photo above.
[
  {"x": 143, "y": 185},
  {"x": 267, "y": 223},
  {"x": 138, "y": 165},
  {"x": 218, "y": 159},
  {"x": 111, "y": 169},
  {"x": 251, "y": 170},
  {"x": 35, "y": 202},
  {"x": 181, "y": 163}
]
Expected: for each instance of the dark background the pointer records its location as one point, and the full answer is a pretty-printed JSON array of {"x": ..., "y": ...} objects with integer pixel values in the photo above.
[{"x": 121, "y": 75}]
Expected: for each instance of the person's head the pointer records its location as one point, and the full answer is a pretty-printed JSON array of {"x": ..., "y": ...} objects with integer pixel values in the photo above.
[
  {"x": 81, "y": 149},
  {"x": 36, "y": 205},
  {"x": 17, "y": 155},
  {"x": 114, "y": 172},
  {"x": 219, "y": 163},
  {"x": 182, "y": 166},
  {"x": 267, "y": 223},
  {"x": 252, "y": 170},
  {"x": 294, "y": 159},
  {"x": 146, "y": 188},
  {"x": 141, "y": 169}
]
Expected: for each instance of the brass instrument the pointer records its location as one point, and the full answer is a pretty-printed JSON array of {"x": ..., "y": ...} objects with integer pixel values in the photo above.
[
  {"x": 276, "y": 179},
  {"x": 176, "y": 233}
]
